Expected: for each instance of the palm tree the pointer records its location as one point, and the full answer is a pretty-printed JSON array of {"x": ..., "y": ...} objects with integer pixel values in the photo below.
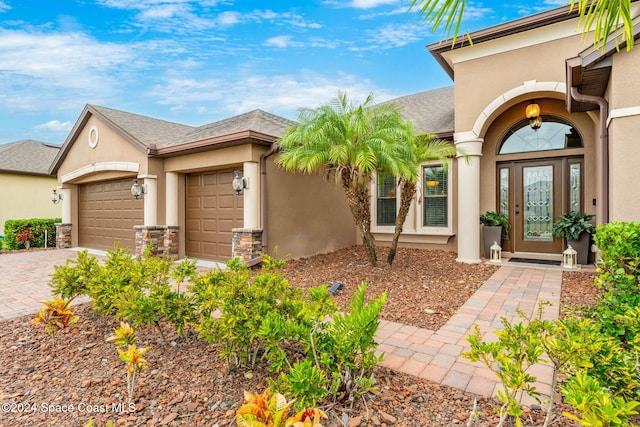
[
  {"x": 425, "y": 148},
  {"x": 601, "y": 16},
  {"x": 351, "y": 143}
]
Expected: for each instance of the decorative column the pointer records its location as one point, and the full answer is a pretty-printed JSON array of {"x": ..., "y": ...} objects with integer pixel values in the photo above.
[
  {"x": 150, "y": 200},
  {"x": 468, "y": 233},
  {"x": 63, "y": 229},
  {"x": 171, "y": 198},
  {"x": 251, "y": 172}
]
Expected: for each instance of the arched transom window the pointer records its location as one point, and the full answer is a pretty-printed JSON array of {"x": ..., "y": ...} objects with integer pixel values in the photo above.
[{"x": 554, "y": 134}]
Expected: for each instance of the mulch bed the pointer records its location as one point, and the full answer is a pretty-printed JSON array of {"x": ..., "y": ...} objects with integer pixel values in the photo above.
[{"x": 187, "y": 383}]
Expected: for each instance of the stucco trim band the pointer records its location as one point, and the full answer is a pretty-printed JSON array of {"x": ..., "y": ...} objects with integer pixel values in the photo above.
[{"x": 619, "y": 113}]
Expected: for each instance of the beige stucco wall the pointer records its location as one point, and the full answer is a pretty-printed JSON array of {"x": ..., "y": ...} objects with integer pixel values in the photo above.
[
  {"x": 624, "y": 149},
  {"x": 479, "y": 82},
  {"x": 306, "y": 215},
  {"x": 111, "y": 147},
  {"x": 26, "y": 196}
]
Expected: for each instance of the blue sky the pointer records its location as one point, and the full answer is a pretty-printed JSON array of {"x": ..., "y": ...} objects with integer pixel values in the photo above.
[{"x": 195, "y": 62}]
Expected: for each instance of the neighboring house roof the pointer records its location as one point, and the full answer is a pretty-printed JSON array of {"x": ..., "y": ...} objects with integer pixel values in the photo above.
[
  {"x": 27, "y": 157},
  {"x": 432, "y": 111}
]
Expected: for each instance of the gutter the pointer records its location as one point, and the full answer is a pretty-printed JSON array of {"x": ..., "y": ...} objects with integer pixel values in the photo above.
[
  {"x": 603, "y": 105},
  {"x": 263, "y": 192}
]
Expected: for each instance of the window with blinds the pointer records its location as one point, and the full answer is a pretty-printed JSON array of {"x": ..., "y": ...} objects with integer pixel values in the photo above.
[
  {"x": 435, "y": 196},
  {"x": 386, "y": 200}
]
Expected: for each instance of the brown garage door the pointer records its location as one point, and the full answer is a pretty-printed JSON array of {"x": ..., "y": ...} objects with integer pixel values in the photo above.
[
  {"x": 107, "y": 214},
  {"x": 213, "y": 209}
]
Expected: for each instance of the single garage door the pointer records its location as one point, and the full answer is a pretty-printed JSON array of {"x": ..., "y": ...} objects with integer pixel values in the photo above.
[
  {"x": 213, "y": 209},
  {"x": 107, "y": 213}
]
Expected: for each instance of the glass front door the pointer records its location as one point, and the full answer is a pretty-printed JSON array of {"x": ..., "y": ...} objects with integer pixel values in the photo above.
[{"x": 533, "y": 194}]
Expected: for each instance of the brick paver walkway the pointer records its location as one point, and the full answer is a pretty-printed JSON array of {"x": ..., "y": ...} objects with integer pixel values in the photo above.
[
  {"x": 436, "y": 355},
  {"x": 433, "y": 355}
]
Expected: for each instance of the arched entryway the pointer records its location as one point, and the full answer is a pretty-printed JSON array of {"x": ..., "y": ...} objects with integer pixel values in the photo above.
[{"x": 539, "y": 177}]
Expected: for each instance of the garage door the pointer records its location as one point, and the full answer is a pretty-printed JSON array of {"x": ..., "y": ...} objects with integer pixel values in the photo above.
[
  {"x": 213, "y": 209},
  {"x": 107, "y": 214}
]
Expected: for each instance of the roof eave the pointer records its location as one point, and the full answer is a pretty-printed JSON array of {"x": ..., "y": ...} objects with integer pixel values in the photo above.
[
  {"x": 213, "y": 143},
  {"x": 498, "y": 31}
]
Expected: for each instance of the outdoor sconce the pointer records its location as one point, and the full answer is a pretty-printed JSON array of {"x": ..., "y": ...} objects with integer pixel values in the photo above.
[
  {"x": 570, "y": 258},
  {"x": 533, "y": 114},
  {"x": 137, "y": 190},
  {"x": 496, "y": 252},
  {"x": 239, "y": 182},
  {"x": 55, "y": 196}
]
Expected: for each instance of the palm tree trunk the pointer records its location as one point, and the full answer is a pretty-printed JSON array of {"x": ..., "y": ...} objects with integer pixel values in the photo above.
[
  {"x": 407, "y": 193},
  {"x": 358, "y": 199}
]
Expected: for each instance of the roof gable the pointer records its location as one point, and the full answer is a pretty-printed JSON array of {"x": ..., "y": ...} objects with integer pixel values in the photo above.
[{"x": 27, "y": 157}]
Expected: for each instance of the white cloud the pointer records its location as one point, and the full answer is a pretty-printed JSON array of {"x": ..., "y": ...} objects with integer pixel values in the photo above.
[
  {"x": 55, "y": 126},
  {"x": 393, "y": 36},
  {"x": 43, "y": 71},
  {"x": 368, "y": 4},
  {"x": 229, "y": 18},
  {"x": 226, "y": 96},
  {"x": 4, "y": 6},
  {"x": 282, "y": 42}
]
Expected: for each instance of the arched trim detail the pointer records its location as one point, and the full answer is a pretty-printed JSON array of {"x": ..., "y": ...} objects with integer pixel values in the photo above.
[
  {"x": 528, "y": 89},
  {"x": 101, "y": 167}
]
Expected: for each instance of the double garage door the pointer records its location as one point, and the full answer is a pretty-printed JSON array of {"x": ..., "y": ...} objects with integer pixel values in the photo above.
[
  {"x": 213, "y": 209},
  {"x": 107, "y": 213}
]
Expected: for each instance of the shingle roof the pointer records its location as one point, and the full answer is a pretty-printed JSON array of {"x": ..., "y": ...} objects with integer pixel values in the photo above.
[
  {"x": 27, "y": 157},
  {"x": 256, "y": 120},
  {"x": 143, "y": 129},
  {"x": 432, "y": 111}
]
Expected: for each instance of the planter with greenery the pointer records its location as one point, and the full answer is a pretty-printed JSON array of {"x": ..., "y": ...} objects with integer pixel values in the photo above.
[
  {"x": 576, "y": 228},
  {"x": 494, "y": 224}
]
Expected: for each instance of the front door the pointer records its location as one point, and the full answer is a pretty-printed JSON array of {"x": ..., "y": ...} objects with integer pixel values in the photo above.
[{"x": 533, "y": 194}]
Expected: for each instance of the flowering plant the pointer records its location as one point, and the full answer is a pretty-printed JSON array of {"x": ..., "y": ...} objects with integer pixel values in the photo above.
[{"x": 24, "y": 236}]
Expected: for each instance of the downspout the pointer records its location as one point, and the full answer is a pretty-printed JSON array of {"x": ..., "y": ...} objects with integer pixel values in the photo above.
[
  {"x": 604, "y": 139},
  {"x": 263, "y": 192}
]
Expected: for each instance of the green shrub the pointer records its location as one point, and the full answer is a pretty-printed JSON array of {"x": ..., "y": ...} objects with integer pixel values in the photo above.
[
  {"x": 138, "y": 290},
  {"x": 36, "y": 226},
  {"x": 72, "y": 279},
  {"x": 244, "y": 303}
]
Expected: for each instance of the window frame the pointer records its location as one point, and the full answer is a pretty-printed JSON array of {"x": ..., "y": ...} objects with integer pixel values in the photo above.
[
  {"x": 421, "y": 228},
  {"x": 414, "y": 224}
]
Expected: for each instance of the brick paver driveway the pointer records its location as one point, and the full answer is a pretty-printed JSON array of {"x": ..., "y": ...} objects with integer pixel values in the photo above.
[{"x": 24, "y": 278}]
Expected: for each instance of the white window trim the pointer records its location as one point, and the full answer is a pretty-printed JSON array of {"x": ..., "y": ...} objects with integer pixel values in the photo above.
[
  {"x": 375, "y": 228},
  {"x": 429, "y": 230},
  {"x": 417, "y": 227}
]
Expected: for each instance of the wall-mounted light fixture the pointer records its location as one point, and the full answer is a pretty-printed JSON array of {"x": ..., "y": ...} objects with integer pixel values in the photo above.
[
  {"x": 55, "y": 196},
  {"x": 533, "y": 114},
  {"x": 137, "y": 190},
  {"x": 239, "y": 182}
]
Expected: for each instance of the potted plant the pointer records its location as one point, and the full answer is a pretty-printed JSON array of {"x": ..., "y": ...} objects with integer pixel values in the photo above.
[
  {"x": 494, "y": 224},
  {"x": 576, "y": 228}
]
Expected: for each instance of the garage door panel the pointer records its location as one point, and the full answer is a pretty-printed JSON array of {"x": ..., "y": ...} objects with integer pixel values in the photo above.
[
  {"x": 210, "y": 220},
  {"x": 107, "y": 214}
]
